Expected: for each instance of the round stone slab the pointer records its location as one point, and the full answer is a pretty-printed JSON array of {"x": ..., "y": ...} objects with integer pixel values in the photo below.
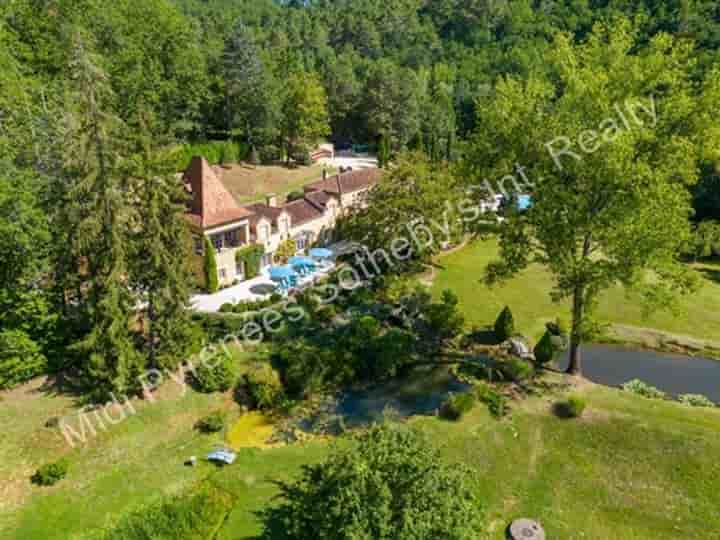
[{"x": 525, "y": 529}]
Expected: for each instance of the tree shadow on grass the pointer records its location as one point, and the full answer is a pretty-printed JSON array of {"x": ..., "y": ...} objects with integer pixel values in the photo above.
[
  {"x": 60, "y": 384},
  {"x": 711, "y": 274},
  {"x": 275, "y": 517}
]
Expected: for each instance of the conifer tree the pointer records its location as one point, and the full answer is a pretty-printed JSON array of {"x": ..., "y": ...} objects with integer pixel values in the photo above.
[
  {"x": 504, "y": 325},
  {"x": 96, "y": 210},
  {"x": 211, "y": 277},
  {"x": 160, "y": 256}
]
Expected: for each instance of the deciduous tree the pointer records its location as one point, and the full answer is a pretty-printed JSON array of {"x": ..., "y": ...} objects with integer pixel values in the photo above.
[{"x": 611, "y": 207}]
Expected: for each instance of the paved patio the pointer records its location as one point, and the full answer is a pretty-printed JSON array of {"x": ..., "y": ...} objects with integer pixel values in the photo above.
[{"x": 254, "y": 289}]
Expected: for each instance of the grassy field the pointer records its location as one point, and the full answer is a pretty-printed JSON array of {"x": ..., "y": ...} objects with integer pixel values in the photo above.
[
  {"x": 630, "y": 468},
  {"x": 249, "y": 184},
  {"x": 528, "y": 297}
]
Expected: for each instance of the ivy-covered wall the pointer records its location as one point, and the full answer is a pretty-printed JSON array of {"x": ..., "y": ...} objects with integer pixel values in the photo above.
[{"x": 250, "y": 257}]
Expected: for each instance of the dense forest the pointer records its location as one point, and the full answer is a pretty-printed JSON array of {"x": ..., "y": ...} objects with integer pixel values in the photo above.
[{"x": 96, "y": 97}]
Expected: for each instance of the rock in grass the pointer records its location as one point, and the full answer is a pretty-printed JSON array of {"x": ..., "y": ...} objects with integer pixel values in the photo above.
[{"x": 525, "y": 529}]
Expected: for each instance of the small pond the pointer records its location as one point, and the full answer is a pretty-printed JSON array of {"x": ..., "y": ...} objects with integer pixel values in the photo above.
[
  {"x": 673, "y": 374},
  {"x": 422, "y": 393}
]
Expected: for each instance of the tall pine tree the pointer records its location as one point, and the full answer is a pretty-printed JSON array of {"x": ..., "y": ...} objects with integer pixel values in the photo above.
[
  {"x": 160, "y": 256},
  {"x": 96, "y": 210}
]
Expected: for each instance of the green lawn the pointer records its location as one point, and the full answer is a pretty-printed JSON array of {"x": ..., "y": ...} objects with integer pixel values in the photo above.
[
  {"x": 630, "y": 468},
  {"x": 251, "y": 183},
  {"x": 527, "y": 295}
]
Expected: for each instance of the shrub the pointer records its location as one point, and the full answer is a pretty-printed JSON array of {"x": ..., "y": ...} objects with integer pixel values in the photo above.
[
  {"x": 544, "y": 350},
  {"x": 515, "y": 369},
  {"x": 51, "y": 473},
  {"x": 192, "y": 515},
  {"x": 285, "y": 250},
  {"x": 229, "y": 153},
  {"x": 216, "y": 374},
  {"x": 636, "y": 386},
  {"x": 212, "y": 423},
  {"x": 695, "y": 400},
  {"x": 495, "y": 401},
  {"x": 558, "y": 327},
  {"x": 264, "y": 387},
  {"x": 457, "y": 405},
  {"x": 210, "y": 268},
  {"x": 227, "y": 308},
  {"x": 504, "y": 325},
  {"x": 572, "y": 407},
  {"x": 295, "y": 195},
  {"x": 20, "y": 358}
]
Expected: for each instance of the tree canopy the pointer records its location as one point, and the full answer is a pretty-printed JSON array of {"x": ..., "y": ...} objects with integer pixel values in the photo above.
[
  {"x": 612, "y": 140},
  {"x": 391, "y": 484}
]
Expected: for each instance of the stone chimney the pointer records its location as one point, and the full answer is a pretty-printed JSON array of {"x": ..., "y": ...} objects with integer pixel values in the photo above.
[{"x": 271, "y": 200}]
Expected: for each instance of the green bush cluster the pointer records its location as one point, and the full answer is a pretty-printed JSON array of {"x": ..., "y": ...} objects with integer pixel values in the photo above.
[
  {"x": 636, "y": 386},
  {"x": 212, "y": 423},
  {"x": 51, "y": 473},
  {"x": 196, "y": 515},
  {"x": 495, "y": 401},
  {"x": 504, "y": 325},
  {"x": 572, "y": 407},
  {"x": 264, "y": 387},
  {"x": 21, "y": 358},
  {"x": 695, "y": 400},
  {"x": 514, "y": 369},
  {"x": 215, "y": 374},
  {"x": 251, "y": 306},
  {"x": 457, "y": 405}
]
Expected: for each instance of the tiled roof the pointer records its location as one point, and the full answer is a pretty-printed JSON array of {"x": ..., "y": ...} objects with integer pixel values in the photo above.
[
  {"x": 318, "y": 198},
  {"x": 212, "y": 204},
  {"x": 262, "y": 210},
  {"x": 347, "y": 182},
  {"x": 301, "y": 211}
]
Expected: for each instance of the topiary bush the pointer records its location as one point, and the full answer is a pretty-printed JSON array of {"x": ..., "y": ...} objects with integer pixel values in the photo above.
[
  {"x": 544, "y": 350},
  {"x": 215, "y": 374},
  {"x": 572, "y": 407},
  {"x": 210, "y": 268},
  {"x": 212, "y": 423},
  {"x": 264, "y": 387},
  {"x": 504, "y": 325},
  {"x": 695, "y": 400},
  {"x": 51, "y": 473},
  {"x": 457, "y": 405},
  {"x": 636, "y": 386}
]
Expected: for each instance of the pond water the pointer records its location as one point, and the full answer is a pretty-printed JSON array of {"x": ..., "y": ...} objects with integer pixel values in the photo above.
[
  {"x": 421, "y": 393},
  {"x": 673, "y": 374}
]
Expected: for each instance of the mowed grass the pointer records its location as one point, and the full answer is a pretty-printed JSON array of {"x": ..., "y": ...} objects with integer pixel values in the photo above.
[
  {"x": 248, "y": 183},
  {"x": 631, "y": 468},
  {"x": 527, "y": 294}
]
